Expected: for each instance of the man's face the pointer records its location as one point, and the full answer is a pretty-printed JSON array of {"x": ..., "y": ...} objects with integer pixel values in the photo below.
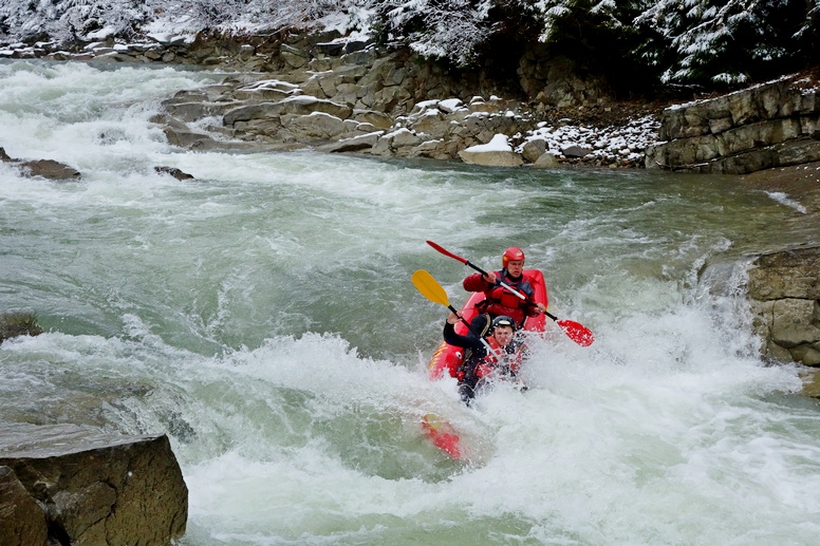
[
  {"x": 515, "y": 268},
  {"x": 503, "y": 335}
]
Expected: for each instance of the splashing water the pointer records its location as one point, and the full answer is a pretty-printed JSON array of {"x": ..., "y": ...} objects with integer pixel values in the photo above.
[{"x": 262, "y": 316}]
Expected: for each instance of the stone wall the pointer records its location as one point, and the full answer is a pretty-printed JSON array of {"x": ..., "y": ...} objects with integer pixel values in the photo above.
[
  {"x": 770, "y": 125},
  {"x": 784, "y": 288}
]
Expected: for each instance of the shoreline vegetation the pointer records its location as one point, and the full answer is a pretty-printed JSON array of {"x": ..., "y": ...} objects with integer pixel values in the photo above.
[{"x": 18, "y": 323}]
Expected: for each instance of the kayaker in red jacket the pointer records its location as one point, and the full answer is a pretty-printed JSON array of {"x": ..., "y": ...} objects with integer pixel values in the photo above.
[
  {"x": 489, "y": 350},
  {"x": 499, "y": 300}
]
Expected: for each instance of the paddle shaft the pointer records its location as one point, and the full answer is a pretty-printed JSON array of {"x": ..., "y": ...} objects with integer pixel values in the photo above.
[
  {"x": 577, "y": 332},
  {"x": 431, "y": 289},
  {"x": 468, "y": 263},
  {"x": 470, "y": 329}
]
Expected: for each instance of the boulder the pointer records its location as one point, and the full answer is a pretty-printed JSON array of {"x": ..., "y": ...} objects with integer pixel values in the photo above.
[
  {"x": 22, "y": 520},
  {"x": 173, "y": 171},
  {"x": 97, "y": 488},
  {"x": 533, "y": 149},
  {"x": 358, "y": 143},
  {"x": 575, "y": 151},
  {"x": 434, "y": 149},
  {"x": 790, "y": 273},
  {"x": 546, "y": 161},
  {"x": 306, "y": 104},
  {"x": 252, "y": 111},
  {"x": 313, "y": 126},
  {"x": 185, "y": 138},
  {"x": 496, "y": 153},
  {"x": 46, "y": 168},
  {"x": 192, "y": 111},
  {"x": 16, "y": 323}
]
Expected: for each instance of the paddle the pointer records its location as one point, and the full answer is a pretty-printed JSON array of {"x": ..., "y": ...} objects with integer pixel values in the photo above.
[
  {"x": 433, "y": 291},
  {"x": 577, "y": 332},
  {"x": 465, "y": 261}
]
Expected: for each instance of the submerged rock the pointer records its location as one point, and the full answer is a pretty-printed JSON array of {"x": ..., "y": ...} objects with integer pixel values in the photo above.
[
  {"x": 46, "y": 168},
  {"x": 18, "y": 324},
  {"x": 173, "y": 171}
]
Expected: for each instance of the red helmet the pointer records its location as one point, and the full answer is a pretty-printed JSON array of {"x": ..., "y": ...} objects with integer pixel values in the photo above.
[{"x": 512, "y": 253}]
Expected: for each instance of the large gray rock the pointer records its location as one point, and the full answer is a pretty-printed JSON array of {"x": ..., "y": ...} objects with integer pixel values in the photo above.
[
  {"x": 314, "y": 126},
  {"x": 22, "y": 520},
  {"x": 496, "y": 153},
  {"x": 533, "y": 149},
  {"x": 97, "y": 488},
  {"x": 784, "y": 287}
]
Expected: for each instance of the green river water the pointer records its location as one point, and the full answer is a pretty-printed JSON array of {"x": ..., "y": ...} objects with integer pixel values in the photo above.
[{"x": 262, "y": 316}]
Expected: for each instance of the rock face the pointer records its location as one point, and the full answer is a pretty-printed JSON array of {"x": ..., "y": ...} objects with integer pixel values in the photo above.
[
  {"x": 92, "y": 488},
  {"x": 784, "y": 287},
  {"x": 22, "y": 519},
  {"x": 769, "y": 125},
  {"x": 367, "y": 101}
]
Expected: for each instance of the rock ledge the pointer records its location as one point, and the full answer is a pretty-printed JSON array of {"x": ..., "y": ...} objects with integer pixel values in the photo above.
[{"x": 82, "y": 486}]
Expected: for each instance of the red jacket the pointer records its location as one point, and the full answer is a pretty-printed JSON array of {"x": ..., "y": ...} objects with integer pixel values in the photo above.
[{"x": 499, "y": 300}]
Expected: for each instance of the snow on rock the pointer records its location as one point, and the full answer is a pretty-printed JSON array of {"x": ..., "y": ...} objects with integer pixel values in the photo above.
[
  {"x": 496, "y": 153},
  {"x": 499, "y": 143},
  {"x": 449, "y": 106},
  {"x": 607, "y": 145}
]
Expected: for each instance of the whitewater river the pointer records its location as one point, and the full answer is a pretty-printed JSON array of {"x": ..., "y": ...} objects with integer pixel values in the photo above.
[{"x": 262, "y": 315}]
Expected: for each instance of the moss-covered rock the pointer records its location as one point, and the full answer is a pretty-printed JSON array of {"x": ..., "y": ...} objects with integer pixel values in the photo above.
[{"x": 18, "y": 324}]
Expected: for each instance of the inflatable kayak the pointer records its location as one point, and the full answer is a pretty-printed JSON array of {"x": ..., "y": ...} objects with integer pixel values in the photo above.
[{"x": 447, "y": 358}]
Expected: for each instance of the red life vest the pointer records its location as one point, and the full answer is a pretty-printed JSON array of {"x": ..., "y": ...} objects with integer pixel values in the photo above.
[
  {"x": 500, "y": 301},
  {"x": 498, "y": 356}
]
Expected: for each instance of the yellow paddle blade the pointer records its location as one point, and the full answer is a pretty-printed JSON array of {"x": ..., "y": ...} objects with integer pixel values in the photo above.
[{"x": 429, "y": 287}]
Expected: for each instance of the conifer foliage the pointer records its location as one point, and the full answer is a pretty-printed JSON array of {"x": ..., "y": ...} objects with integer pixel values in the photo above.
[{"x": 705, "y": 42}]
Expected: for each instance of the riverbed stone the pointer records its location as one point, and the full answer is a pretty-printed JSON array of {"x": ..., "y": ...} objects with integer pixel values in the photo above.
[
  {"x": 546, "y": 161},
  {"x": 534, "y": 149}
]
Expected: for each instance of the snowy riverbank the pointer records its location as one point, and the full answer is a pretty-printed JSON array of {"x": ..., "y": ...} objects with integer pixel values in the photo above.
[{"x": 356, "y": 98}]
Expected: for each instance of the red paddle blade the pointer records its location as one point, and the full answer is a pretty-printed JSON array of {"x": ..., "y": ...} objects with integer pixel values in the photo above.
[
  {"x": 446, "y": 252},
  {"x": 578, "y": 333},
  {"x": 442, "y": 435}
]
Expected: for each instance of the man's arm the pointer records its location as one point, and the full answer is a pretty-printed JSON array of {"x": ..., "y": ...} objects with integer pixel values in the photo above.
[
  {"x": 474, "y": 339},
  {"x": 476, "y": 283}
]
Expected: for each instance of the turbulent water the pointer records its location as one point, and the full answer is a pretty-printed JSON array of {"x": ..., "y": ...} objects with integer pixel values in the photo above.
[{"x": 262, "y": 316}]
